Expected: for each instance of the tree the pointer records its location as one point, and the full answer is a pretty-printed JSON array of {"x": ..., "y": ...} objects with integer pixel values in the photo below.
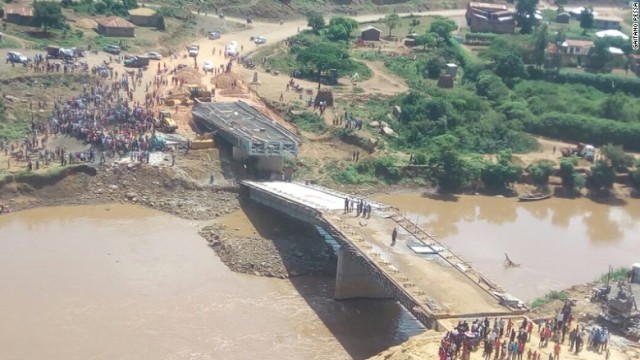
[
  {"x": 427, "y": 40},
  {"x": 560, "y": 3},
  {"x": 635, "y": 177},
  {"x": 48, "y": 14},
  {"x": 433, "y": 67},
  {"x": 315, "y": 21},
  {"x": 617, "y": 157},
  {"x": 443, "y": 27},
  {"x": 540, "y": 172},
  {"x": 392, "y": 21},
  {"x": 133, "y": 4},
  {"x": 542, "y": 40},
  {"x": 340, "y": 28},
  {"x": 526, "y": 15},
  {"x": 509, "y": 66},
  {"x": 600, "y": 57},
  {"x": 602, "y": 176},
  {"x": 586, "y": 19},
  {"x": 571, "y": 180},
  {"x": 501, "y": 174},
  {"x": 491, "y": 87},
  {"x": 323, "y": 56},
  {"x": 413, "y": 23},
  {"x": 448, "y": 170}
]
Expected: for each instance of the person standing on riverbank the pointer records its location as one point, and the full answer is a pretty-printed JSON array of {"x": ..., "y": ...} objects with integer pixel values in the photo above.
[{"x": 394, "y": 234}]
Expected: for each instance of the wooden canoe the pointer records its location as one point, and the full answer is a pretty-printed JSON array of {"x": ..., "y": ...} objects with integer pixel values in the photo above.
[{"x": 534, "y": 197}]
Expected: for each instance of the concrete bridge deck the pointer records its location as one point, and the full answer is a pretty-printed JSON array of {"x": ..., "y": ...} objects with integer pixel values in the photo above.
[{"x": 430, "y": 281}]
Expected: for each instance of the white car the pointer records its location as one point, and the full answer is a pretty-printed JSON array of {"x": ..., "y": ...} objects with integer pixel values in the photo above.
[
  {"x": 231, "y": 49},
  {"x": 194, "y": 50},
  {"x": 207, "y": 66},
  {"x": 154, "y": 55},
  {"x": 260, "y": 40},
  {"x": 16, "y": 57}
]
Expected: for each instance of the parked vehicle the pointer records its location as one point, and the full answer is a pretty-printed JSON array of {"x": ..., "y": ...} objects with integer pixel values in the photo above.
[
  {"x": 136, "y": 61},
  {"x": 260, "y": 40},
  {"x": 165, "y": 123},
  {"x": 231, "y": 49},
  {"x": 207, "y": 66},
  {"x": 588, "y": 152},
  {"x": 112, "y": 49},
  {"x": 16, "y": 57},
  {"x": 154, "y": 55},
  {"x": 214, "y": 35},
  {"x": 194, "y": 50}
]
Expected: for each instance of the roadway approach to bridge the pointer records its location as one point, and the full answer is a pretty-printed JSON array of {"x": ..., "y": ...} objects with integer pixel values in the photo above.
[{"x": 431, "y": 282}]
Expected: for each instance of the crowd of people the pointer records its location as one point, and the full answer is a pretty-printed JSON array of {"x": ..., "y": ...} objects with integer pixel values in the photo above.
[{"x": 506, "y": 339}]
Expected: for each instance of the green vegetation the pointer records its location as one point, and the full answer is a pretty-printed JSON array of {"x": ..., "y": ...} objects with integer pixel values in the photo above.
[
  {"x": 525, "y": 15},
  {"x": 101, "y": 7},
  {"x": 540, "y": 172},
  {"x": 48, "y": 14},
  {"x": 602, "y": 176},
  {"x": 501, "y": 174},
  {"x": 9, "y": 43},
  {"x": 617, "y": 274},
  {"x": 572, "y": 181},
  {"x": 367, "y": 171},
  {"x": 619, "y": 160},
  {"x": 549, "y": 297},
  {"x": 308, "y": 121}
]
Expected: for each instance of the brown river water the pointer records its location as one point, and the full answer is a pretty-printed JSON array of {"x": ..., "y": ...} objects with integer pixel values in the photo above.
[
  {"x": 557, "y": 242},
  {"x": 125, "y": 282}
]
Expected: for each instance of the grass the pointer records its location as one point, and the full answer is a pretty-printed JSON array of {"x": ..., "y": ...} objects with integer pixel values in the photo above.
[
  {"x": 549, "y": 297},
  {"x": 403, "y": 29},
  {"x": 308, "y": 121},
  {"x": 616, "y": 274},
  {"x": 8, "y": 43}
]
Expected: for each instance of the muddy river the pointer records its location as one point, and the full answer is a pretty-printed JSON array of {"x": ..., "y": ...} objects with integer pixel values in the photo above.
[
  {"x": 123, "y": 282},
  {"x": 557, "y": 242}
]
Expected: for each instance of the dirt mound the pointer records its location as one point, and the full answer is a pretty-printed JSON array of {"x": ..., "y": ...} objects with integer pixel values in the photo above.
[
  {"x": 190, "y": 75},
  {"x": 224, "y": 84},
  {"x": 84, "y": 23}
]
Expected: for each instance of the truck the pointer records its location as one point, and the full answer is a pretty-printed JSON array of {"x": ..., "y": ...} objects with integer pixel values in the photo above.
[
  {"x": 231, "y": 49},
  {"x": 136, "y": 61},
  {"x": 588, "y": 152},
  {"x": 57, "y": 52}
]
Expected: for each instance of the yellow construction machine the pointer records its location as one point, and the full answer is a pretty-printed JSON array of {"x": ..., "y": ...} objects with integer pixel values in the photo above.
[{"x": 165, "y": 123}]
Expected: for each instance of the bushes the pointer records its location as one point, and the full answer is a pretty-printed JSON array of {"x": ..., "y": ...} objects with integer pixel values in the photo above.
[
  {"x": 580, "y": 128},
  {"x": 309, "y": 121},
  {"x": 371, "y": 170},
  {"x": 605, "y": 83}
]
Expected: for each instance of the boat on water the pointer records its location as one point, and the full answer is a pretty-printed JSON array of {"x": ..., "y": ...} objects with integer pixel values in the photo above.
[{"x": 534, "y": 197}]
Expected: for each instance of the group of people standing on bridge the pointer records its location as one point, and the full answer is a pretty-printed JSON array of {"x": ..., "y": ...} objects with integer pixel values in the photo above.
[{"x": 360, "y": 206}]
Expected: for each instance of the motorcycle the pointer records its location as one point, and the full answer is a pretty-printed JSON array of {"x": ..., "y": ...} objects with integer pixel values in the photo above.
[{"x": 600, "y": 294}]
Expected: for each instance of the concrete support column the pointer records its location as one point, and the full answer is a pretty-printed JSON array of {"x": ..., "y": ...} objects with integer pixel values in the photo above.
[{"x": 353, "y": 280}]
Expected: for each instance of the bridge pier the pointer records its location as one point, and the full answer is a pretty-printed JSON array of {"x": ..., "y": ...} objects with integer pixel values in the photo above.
[{"x": 354, "y": 281}]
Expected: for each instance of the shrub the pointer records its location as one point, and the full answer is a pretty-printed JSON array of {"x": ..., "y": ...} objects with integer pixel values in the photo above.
[{"x": 309, "y": 121}]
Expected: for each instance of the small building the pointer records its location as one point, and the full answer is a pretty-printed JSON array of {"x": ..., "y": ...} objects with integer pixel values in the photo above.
[
  {"x": 115, "y": 26},
  {"x": 489, "y": 17},
  {"x": 452, "y": 70},
  {"x": 370, "y": 33},
  {"x": 577, "y": 47},
  {"x": 563, "y": 18},
  {"x": 606, "y": 23},
  {"x": 143, "y": 17},
  {"x": 18, "y": 14}
]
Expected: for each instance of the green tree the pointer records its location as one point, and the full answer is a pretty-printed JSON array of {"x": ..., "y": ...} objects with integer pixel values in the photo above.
[
  {"x": 635, "y": 177},
  {"x": 525, "y": 15},
  {"x": 392, "y": 21},
  {"x": 432, "y": 67},
  {"x": 501, "y": 174},
  {"x": 48, "y": 14},
  {"x": 340, "y": 28},
  {"x": 509, "y": 66},
  {"x": 323, "y": 56},
  {"x": 133, "y": 4},
  {"x": 540, "y": 172},
  {"x": 315, "y": 21},
  {"x": 443, "y": 27},
  {"x": 600, "y": 58},
  {"x": 448, "y": 169},
  {"x": 491, "y": 87},
  {"x": 542, "y": 40},
  {"x": 571, "y": 180},
  {"x": 427, "y": 40},
  {"x": 586, "y": 20},
  {"x": 413, "y": 23},
  {"x": 617, "y": 157},
  {"x": 602, "y": 176}
]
